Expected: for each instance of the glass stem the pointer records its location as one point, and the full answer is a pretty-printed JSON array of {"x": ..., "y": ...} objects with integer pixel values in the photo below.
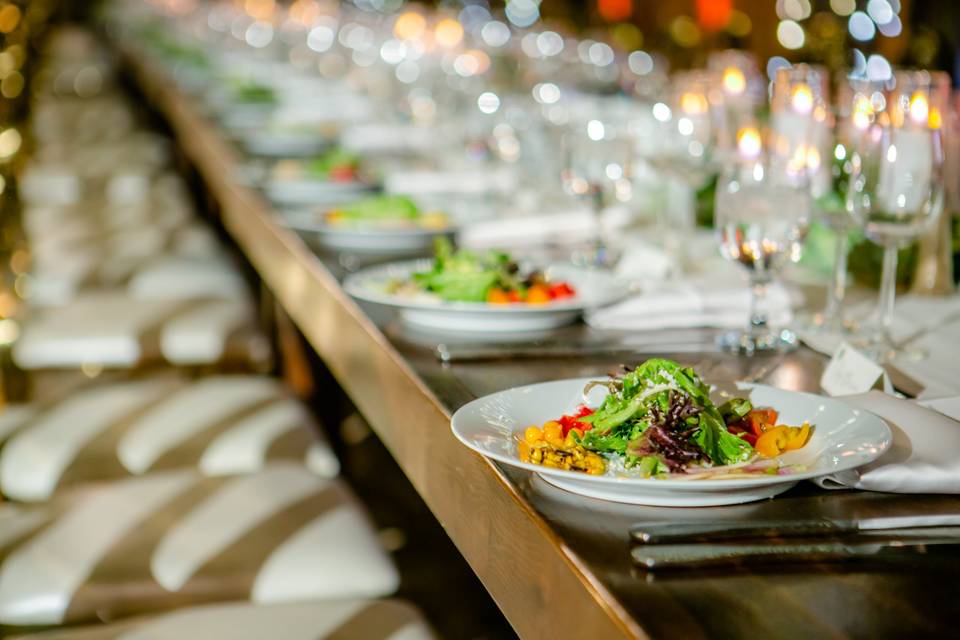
[
  {"x": 838, "y": 283},
  {"x": 888, "y": 294},
  {"x": 596, "y": 208},
  {"x": 759, "y": 310}
]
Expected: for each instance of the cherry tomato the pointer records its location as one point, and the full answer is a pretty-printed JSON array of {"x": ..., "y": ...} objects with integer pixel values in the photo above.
[
  {"x": 343, "y": 173},
  {"x": 560, "y": 290}
]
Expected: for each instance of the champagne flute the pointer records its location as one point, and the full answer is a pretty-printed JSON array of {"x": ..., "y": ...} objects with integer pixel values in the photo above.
[
  {"x": 896, "y": 184},
  {"x": 762, "y": 209},
  {"x": 597, "y": 168}
]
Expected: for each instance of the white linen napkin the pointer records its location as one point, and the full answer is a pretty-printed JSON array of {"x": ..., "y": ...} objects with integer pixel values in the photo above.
[
  {"x": 717, "y": 297},
  {"x": 454, "y": 181},
  {"x": 382, "y": 138},
  {"x": 559, "y": 226},
  {"x": 930, "y": 324},
  {"x": 922, "y": 459}
]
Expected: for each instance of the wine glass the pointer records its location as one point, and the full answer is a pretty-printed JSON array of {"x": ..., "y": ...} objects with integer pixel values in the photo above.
[
  {"x": 896, "y": 183},
  {"x": 762, "y": 211},
  {"x": 597, "y": 149}
]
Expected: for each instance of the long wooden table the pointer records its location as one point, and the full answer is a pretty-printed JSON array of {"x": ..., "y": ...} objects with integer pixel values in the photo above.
[{"x": 558, "y": 565}]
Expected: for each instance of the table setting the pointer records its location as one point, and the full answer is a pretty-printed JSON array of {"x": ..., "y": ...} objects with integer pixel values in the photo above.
[{"x": 510, "y": 237}]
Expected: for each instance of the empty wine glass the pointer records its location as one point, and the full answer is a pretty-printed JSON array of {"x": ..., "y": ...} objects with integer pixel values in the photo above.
[
  {"x": 597, "y": 169},
  {"x": 762, "y": 211},
  {"x": 896, "y": 183}
]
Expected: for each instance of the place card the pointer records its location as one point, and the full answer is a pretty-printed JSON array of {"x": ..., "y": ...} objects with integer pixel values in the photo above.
[{"x": 850, "y": 372}]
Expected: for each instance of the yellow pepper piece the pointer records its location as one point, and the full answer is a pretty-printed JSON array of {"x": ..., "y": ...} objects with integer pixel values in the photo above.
[
  {"x": 798, "y": 436},
  {"x": 772, "y": 442},
  {"x": 532, "y": 436}
]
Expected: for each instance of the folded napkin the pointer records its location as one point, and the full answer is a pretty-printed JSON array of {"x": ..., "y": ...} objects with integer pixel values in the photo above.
[
  {"x": 701, "y": 301},
  {"x": 922, "y": 459},
  {"x": 536, "y": 229},
  {"x": 930, "y": 324},
  {"x": 381, "y": 138},
  {"x": 456, "y": 181}
]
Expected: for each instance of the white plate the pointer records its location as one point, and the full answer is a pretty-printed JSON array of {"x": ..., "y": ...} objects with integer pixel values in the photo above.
[
  {"x": 305, "y": 192},
  {"x": 383, "y": 242},
  {"x": 843, "y": 438},
  {"x": 595, "y": 288}
]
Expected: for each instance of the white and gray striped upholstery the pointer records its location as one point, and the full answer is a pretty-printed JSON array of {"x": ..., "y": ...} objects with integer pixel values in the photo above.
[
  {"x": 320, "y": 620},
  {"x": 219, "y": 425},
  {"x": 165, "y": 540},
  {"x": 115, "y": 330}
]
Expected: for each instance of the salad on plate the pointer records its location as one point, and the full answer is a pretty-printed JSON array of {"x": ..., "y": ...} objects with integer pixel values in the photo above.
[
  {"x": 385, "y": 212},
  {"x": 491, "y": 277},
  {"x": 658, "y": 421},
  {"x": 335, "y": 165}
]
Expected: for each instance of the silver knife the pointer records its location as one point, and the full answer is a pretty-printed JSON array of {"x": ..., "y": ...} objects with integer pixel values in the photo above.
[
  {"x": 450, "y": 353},
  {"x": 693, "y": 556},
  {"x": 683, "y": 532}
]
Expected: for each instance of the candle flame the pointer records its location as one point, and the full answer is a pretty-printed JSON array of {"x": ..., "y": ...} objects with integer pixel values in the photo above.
[
  {"x": 734, "y": 82},
  {"x": 919, "y": 108},
  {"x": 936, "y": 120},
  {"x": 409, "y": 26},
  {"x": 862, "y": 112},
  {"x": 448, "y": 33},
  {"x": 802, "y": 99},
  {"x": 693, "y": 103},
  {"x": 260, "y": 9},
  {"x": 748, "y": 142}
]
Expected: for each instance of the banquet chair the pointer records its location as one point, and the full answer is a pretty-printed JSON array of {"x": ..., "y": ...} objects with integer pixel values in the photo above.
[
  {"x": 170, "y": 539},
  {"x": 317, "y": 620},
  {"x": 218, "y": 425}
]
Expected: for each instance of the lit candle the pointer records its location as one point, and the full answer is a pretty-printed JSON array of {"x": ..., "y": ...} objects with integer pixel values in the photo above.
[
  {"x": 448, "y": 33},
  {"x": 734, "y": 82},
  {"x": 907, "y": 165},
  {"x": 748, "y": 143}
]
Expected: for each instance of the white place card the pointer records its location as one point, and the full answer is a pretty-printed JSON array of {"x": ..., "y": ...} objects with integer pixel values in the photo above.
[{"x": 850, "y": 372}]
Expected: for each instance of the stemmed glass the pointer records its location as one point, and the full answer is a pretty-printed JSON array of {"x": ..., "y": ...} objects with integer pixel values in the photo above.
[
  {"x": 762, "y": 210},
  {"x": 683, "y": 147},
  {"x": 597, "y": 168},
  {"x": 896, "y": 183}
]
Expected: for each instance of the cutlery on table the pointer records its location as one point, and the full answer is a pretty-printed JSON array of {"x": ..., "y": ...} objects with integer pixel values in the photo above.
[
  {"x": 686, "y": 532},
  {"x": 693, "y": 556}
]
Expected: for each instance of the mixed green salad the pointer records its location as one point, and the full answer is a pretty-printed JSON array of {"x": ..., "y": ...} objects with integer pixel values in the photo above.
[
  {"x": 659, "y": 419},
  {"x": 385, "y": 212},
  {"x": 336, "y": 165},
  {"x": 492, "y": 276},
  {"x": 250, "y": 91}
]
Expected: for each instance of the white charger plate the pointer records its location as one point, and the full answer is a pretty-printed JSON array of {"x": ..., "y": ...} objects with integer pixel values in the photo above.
[
  {"x": 843, "y": 438},
  {"x": 595, "y": 288},
  {"x": 368, "y": 242}
]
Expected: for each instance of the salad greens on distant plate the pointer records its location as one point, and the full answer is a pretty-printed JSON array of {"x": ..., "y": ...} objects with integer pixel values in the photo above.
[
  {"x": 492, "y": 277},
  {"x": 385, "y": 212},
  {"x": 659, "y": 419},
  {"x": 335, "y": 165}
]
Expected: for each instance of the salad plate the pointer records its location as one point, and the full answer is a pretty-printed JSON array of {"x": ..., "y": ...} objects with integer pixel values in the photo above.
[
  {"x": 841, "y": 439},
  {"x": 594, "y": 288},
  {"x": 332, "y": 177},
  {"x": 374, "y": 225}
]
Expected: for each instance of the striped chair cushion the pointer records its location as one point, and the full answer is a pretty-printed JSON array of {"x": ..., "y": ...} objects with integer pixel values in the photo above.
[
  {"x": 320, "y": 620},
  {"x": 167, "y": 539},
  {"x": 118, "y": 331},
  {"x": 142, "y": 275},
  {"x": 220, "y": 425}
]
